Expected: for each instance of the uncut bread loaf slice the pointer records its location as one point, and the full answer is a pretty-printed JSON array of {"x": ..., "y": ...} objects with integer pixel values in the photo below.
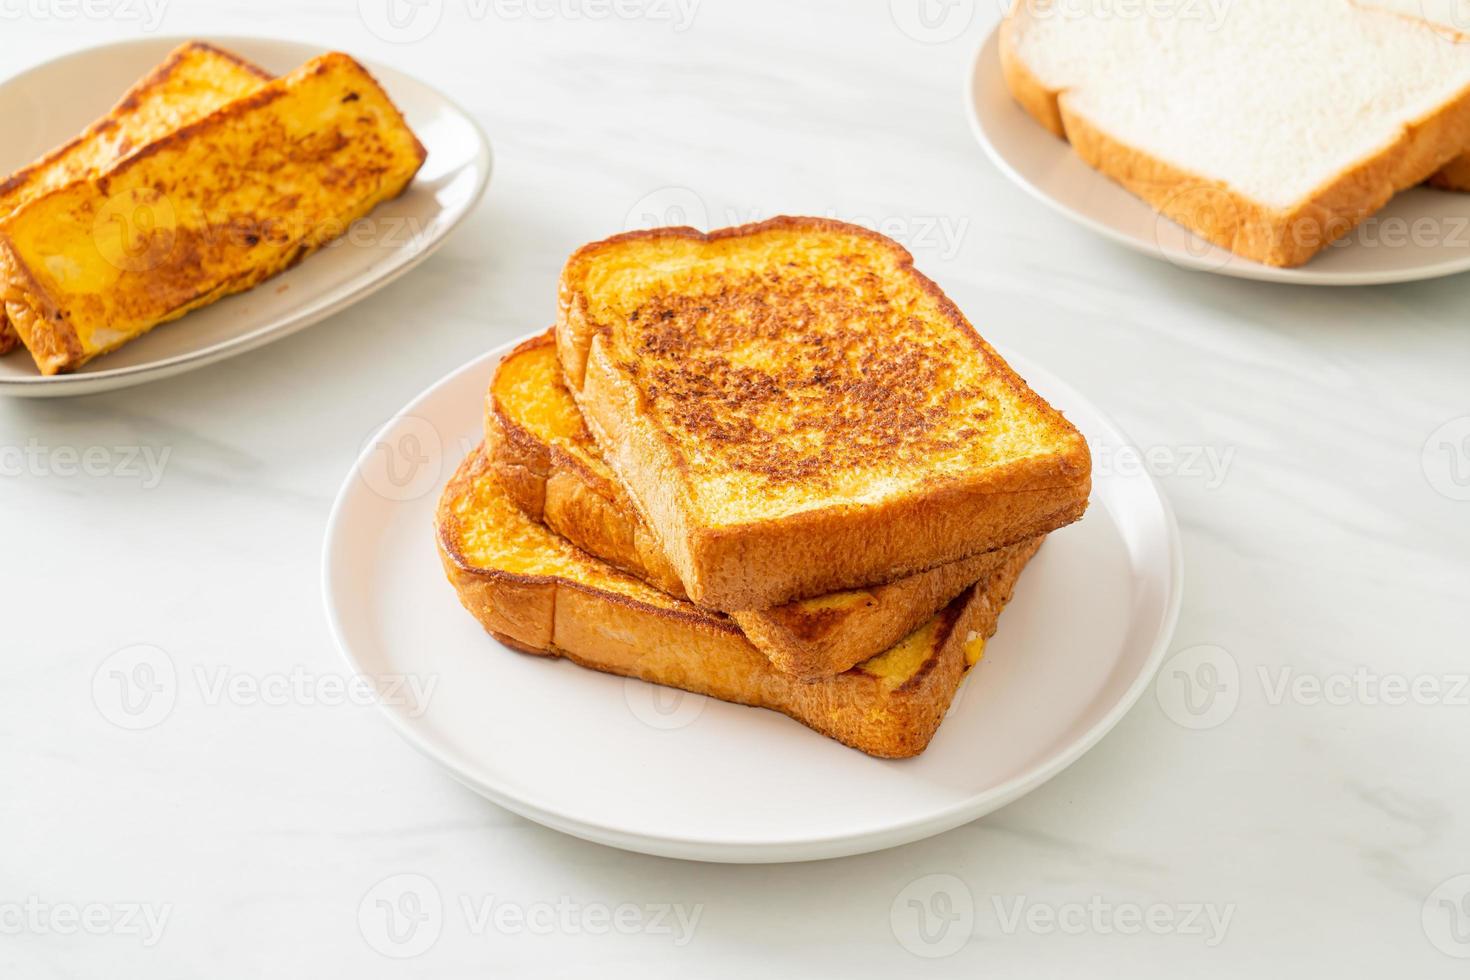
[
  {"x": 550, "y": 466},
  {"x": 534, "y": 591},
  {"x": 193, "y": 81},
  {"x": 209, "y": 210},
  {"x": 795, "y": 410},
  {"x": 1269, "y": 128}
]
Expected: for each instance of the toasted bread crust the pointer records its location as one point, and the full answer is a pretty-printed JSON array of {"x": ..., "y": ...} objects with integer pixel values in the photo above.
[
  {"x": 17, "y": 183},
  {"x": 763, "y": 562},
  {"x": 1454, "y": 176},
  {"x": 200, "y": 260},
  {"x": 810, "y": 642},
  {"x": 74, "y": 159},
  {"x": 554, "y": 487},
  {"x": 808, "y": 639},
  {"x": 1209, "y": 208},
  {"x": 705, "y": 654}
]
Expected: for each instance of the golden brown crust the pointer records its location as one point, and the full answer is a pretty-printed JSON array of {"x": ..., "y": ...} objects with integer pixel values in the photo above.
[
  {"x": 448, "y": 533},
  {"x": 811, "y": 640},
  {"x": 705, "y": 654},
  {"x": 1454, "y": 176},
  {"x": 33, "y": 316},
  {"x": 763, "y": 562},
  {"x": 64, "y": 163},
  {"x": 555, "y": 487},
  {"x": 216, "y": 247},
  {"x": 158, "y": 77},
  {"x": 1273, "y": 236},
  {"x": 808, "y": 639}
]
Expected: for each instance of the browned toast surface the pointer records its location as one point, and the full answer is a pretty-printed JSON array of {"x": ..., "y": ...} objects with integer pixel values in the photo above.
[
  {"x": 551, "y": 467},
  {"x": 794, "y": 409},
  {"x": 195, "y": 80},
  {"x": 209, "y": 210}
]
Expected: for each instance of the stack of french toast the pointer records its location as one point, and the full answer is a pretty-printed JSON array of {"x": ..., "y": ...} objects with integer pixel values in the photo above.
[
  {"x": 772, "y": 464},
  {"x": 208, "y": 177}
]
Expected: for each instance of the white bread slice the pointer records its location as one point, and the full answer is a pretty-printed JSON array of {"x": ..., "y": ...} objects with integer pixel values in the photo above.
[
  {"x": 1451, "y": 18},
  {"x": 1271, "y": 128}
]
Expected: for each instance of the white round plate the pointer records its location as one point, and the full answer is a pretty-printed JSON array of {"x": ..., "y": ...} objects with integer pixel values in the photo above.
[
  {"x": 624, "y": 763},
  {"x": 49, "y": 104},
  {"x": 1421, "y": 234}
]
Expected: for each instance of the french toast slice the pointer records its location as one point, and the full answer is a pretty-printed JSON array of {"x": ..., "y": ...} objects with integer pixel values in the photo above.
[
  {"x": 795, "y": 410},
  {"x": 211, "y": 209},
  {"x": 193, "y": 81},
  {"x": 536, "y": 592},
  {"x": 550, "y": 466}
]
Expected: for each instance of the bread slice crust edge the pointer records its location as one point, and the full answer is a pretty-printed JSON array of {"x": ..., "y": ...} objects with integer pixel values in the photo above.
[
  {"x": 808, "y": 639},
  {"x": 705, "y": 654},
  {"x": 767, "y": 562},
  {"x": 1280, "y": 237}
]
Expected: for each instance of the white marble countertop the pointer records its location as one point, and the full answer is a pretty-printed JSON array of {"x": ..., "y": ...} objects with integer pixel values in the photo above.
[{"x": 1317, "y": 817}]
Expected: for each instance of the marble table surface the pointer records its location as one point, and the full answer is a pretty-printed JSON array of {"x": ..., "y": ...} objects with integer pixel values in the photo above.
[{"x": 1295, "y": 800}]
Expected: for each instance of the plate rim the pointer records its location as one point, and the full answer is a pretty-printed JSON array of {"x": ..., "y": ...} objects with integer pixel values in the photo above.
[
  {"x": 1238, "y": 267},
  {"x": 80, "y": 384},
  {"x": 783, "y": 851}
]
